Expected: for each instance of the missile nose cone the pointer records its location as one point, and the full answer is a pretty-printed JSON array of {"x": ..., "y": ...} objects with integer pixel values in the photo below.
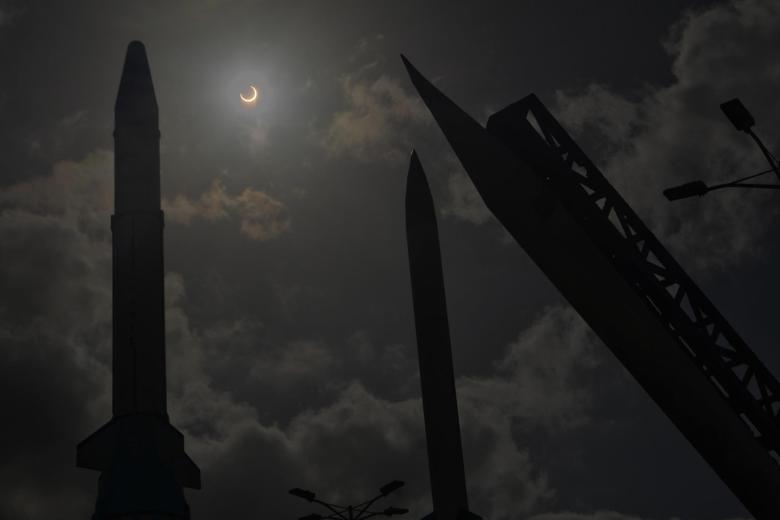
[
  {"x": 135, "y": 101},
  {"x": 420, "y": 210},
  {"x": 136, "y": 136},
  {"x": 481, "y": 155},
  {"x": 407, "y": 64},
  {"x": 457, "y": 125},
  {"x": 423, "y": 86},
  {"x": 418, "y": 193}
]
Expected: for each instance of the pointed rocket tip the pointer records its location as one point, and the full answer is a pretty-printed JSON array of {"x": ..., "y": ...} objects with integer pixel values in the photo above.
[
  {"x": 419, "y": 81},
  {"x": 136, "y": 46},
  {"x": 136, "y": 91},
  {"x": 431, "y": 95},
  {"x": 419, "y": 207},
  {"x": 135, "y": 58},
  {"x": 411, "y": 69},
  {"x": 416, "y": 182},
  {"x": 469, "y": 140},
  {"x": 414, "y": 163}
]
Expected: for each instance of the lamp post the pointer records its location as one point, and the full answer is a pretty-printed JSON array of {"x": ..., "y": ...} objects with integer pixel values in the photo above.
[
  {"x": 351, "y": 512},
  {"x": 742, "y": 120}
]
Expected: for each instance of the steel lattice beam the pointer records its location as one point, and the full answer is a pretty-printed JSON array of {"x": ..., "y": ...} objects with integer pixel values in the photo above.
[{"x": 712, "y": 343}]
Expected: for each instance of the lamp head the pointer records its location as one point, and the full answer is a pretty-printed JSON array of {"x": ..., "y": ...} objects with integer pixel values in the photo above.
[
  {"x": 738, "y": 114},
  {"x": 390, "y": 487},
  {"x": 689, "y": 189},
  {"x": 302, "y": 493}
]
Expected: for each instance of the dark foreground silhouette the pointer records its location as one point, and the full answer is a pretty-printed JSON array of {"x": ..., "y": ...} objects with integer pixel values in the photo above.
[
  {"x": 361, "y": 511},
  {"x": 440, "y": 407},
  {"x": 589, "y": 242},
  {"x": 139, "y": 453}
]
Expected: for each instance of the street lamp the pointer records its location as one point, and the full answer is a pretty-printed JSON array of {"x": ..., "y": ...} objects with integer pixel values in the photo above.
[
  {"x": 390, "y": 487},
  {"x": 302, "y": 493},
  {"x": 351, "y": 512},
  {"x": 742, "y": 120}
]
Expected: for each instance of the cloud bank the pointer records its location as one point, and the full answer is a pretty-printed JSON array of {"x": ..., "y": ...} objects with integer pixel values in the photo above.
[
  {"x": 376, "y": 122},
  {"x": 676, "y": 133},
  {"x": 261, "y": 216},
  {"x": 665, "y": 135}
]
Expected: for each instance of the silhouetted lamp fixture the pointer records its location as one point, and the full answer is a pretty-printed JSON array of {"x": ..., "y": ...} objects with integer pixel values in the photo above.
[
  {"x": 738, "y": 115},
  {"x": 302, "y": 493},
  {"x": 743, "y": 121},
  {"x": 390, "y": 487},
  {"x": 351, "y": 512}
]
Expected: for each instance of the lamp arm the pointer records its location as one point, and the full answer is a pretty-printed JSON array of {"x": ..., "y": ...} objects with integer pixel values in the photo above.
[
  {"x": 368, "y": 502},
  {"x": 365, "y": 505},
  {"x": 369, "y": 515},
  {"x": 744, "y": 185},
  {"x": 332, "y": 508},
  {"x": 766, "y": 152}
]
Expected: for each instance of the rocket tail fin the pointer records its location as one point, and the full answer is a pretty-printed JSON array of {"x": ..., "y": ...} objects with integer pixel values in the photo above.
[{"x": 98, "y": 451}]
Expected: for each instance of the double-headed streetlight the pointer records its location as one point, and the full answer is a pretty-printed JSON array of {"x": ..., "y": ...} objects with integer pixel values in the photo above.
[
  {"x": 352, "y": 512},
  {"x": 742, "y": 120}
]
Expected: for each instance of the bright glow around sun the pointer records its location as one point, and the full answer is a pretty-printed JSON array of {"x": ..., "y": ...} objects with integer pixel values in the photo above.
[{"x": 252, "y": 97}]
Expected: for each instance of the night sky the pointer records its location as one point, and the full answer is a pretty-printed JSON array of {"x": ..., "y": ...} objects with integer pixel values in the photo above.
[{"x": 290, "y": 336}]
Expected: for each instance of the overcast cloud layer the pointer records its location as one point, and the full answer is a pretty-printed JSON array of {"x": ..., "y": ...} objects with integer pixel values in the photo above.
[{"x": 290, "y": 340}]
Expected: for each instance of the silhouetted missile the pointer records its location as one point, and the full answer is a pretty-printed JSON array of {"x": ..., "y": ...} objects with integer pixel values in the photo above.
[
  {"x": 440, "y": 407},
  {"x": 139, "y": 321},
  {"x": 477, "y": 150},
  {"x": 140, "y": 454}
]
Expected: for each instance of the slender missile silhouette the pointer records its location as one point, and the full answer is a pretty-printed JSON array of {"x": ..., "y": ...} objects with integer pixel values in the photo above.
[
  {"x": 440, "y": 407},
  {"x": 476, "y": 148},
  {"x": 140, "y": 454}
]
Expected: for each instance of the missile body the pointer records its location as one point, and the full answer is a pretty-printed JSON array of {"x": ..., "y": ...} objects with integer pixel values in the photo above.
[
  {"x": 137, "y": 227},
  {"x": 141, "y": 456},
  {"x": 440, "y": 407}
]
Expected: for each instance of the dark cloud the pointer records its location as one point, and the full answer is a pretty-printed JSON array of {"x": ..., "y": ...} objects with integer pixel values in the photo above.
[
  {"x": 464, "y": 201},
  {"x": 55, "y": 318},
  {"x": 377, "y": 121},
  {"x": 540, "y": 384},
  {"x": 6, "y": 15},
  {"x": 261, "y": 216},
  {"x": 676, "y": 133},
  {"x": 542, "y": 377}
]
